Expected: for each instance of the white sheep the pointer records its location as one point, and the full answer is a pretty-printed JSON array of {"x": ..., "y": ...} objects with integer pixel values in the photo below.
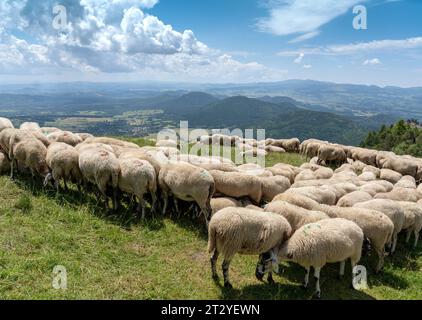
[
  {"x": 391, "y": 209},
  {"x": 245, "y": 231},
  {"x": 321, "y": 194},
  {"x": 4, "y": 163},
  {"x": 138, "y": 177},
  {"x": 349, "y": 200},
  {"x": 412, "y": 209},
  {"x": 400, "y": 194},
  {"x": 102, "y": 168},
  {"x": 390, "y": 175},
  {"x": 32, "y": 154},
  {"x": 406, "y": 182},
  {"x": 65, "y": 137},
  {"x": 296, "y": 216},
  {"x": 5, "y": 124},
  {"x": 326, "y": 241},
  {"x": 272, "y": 186},
  {"x": 30, "y": 126},
  {"x": 188, "y": 183},
  {"x": 237, "y": 185},
  {"x": 63, "y": 160}
]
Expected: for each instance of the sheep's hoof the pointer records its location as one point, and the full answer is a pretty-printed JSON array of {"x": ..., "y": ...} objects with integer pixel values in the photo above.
[
  {"x": 304, "y": 286},
  {"x": 317, "y": 295},
  {"x": 228, "y": 285}
]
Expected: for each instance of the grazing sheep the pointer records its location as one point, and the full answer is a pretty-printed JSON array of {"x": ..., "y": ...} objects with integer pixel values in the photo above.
[
  {"x": 386, "y": 184},
  {"x": 218, "y": 204},
  {"x": 284, "y": 172},
  {"x": 399, "y": 194},
  {"x": 330, "y": 154},
  {"x": 32, "y": 154},
  {"x": 47, "y": 130},
  {"x": 188, "y": 183},
  {"x": 166, "y": 144},
  {"x": 65, "y": 137},
  {"x": 391, "y": 209},
  {"x": 367, "y": 176},
  {"x": 245, "y": 231},
  {"x": 401, "y": 165},
  {"x": 88, "y": 146},
  {"x": 372, "y": 188},
  {"x": 4, "y": 163},
  {"x": 349, "y": 200},
  {"x": 273, "y": 149},
  {"x": 5, "y": 124},
  {"x": 324, "y": 173},
  {"x": 415, "y": 224},
  {"x": 138, "y": 177},
  {"x": 364, "y": 155},
  {"x": 305, "y": 175},
  {"x": 326, "y": 241},
  {"x": 296, "y": 216},
  {"x": 372, "y": 169},
  {"x": 63, "y": 160},
  {"x": 30, "y": 126},
  {"x": 272, "y": 186},
  {"x": 237, "y": 185},
  {"x": 406, "y": 182},
  {"x": 112, "y": 142},
  {"x": 5, "y": 136},
  {"x": 376, "y": 226},
  {"x": 84, "y": 136},
  {"x": 102, "y": 168},
  {"x": 141, "y": 155},
  {"x": 321, "y": 194},
  {"x": 390, "y": 175},
  {"x": 290, "y": 145}
]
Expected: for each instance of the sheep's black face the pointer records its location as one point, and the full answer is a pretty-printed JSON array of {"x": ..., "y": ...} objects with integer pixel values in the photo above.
[{"x": 267, "y": 263}]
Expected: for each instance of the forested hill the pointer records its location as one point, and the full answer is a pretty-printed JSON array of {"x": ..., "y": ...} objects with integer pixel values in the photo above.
[{"x": 404, "y": 137}]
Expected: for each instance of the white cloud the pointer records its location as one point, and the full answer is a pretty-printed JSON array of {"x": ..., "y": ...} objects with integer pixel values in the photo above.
[
  {"x": 352, "y": 48},
  {"x": 307, "y": 66},
  {"x": 299, "y": 59},
  {"x": 371, "y": 62},
  {"x": 112, "y": 36},
  {"x": 305, "y": 17},
  {"x": 305, "y": 36}
]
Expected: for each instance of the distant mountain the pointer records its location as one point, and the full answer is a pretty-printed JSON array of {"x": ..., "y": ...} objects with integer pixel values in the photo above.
[
  {"x": 187, "y": 103},
  {"x": 280, "y": 120}
]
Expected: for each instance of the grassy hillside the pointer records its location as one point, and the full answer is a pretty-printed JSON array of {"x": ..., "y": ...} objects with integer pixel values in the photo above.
[
  {"x": 401, "y": 138},
  {"x": 116, "y": 256}
]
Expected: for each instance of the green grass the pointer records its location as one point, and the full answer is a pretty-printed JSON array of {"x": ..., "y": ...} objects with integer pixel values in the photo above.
[{"x": 116, "y": 256}]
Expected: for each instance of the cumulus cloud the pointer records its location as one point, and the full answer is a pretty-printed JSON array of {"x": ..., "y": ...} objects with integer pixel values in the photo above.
[
  {"x": 307, "y": 66},
  {"x": 111, "y": 36},
  {"x": 371, "y": 62},
  {"x": 299, "y": 59},
  {"x": 304, "y": 17}
]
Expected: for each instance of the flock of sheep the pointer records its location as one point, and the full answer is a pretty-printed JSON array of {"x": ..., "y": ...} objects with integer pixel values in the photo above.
[{"x": 311, "y": 215}]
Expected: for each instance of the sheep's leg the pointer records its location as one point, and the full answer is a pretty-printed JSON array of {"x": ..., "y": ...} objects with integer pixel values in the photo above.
[
  {"x": 142, "y": 206},
  {"x": 115, "y": 202},
  {"x": 306, "y": 282},
  {"x": 57, "y": 186},
  {"x": 213, "y": 260},
  {"x": 342, "y": 267},
  {"x": 380, "y": 265},
  {"x": 165, "y": 200},
  {"x": 415, "y": 244},
  {"x": 154, "y": 202},
  {"x": 408, "y": 234},
  {"x": 317, "y": 276},
  {"x": 12, "y": 162},
  {"x": 176, "y": 205},
  {"x": 270, "y": 278},
  {"x": 225, "y": 267},
  {"x": 393, "y": 247},
  {"x": 65, "y": 185}
]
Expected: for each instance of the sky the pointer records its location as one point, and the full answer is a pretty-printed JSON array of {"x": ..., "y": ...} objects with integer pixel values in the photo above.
[{"x": 216, "y": 41}]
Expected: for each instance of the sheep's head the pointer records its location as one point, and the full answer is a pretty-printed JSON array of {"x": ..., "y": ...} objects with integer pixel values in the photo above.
[{"x": 268, "y": 262}]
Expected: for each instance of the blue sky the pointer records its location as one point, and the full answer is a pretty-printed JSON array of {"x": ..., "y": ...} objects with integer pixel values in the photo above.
[{"x": 211, "y": 41}]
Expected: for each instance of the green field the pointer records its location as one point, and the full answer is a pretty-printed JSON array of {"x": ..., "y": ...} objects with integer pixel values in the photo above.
[{"x": 116, "y": 256}]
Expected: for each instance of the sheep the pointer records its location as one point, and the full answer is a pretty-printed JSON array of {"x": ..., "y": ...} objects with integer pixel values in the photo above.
[
  {"x": 367, "y": 176},
  {"x": 372, "y": 169},
  {"x": 32, "y": 154},
  {"x": 84, "y": 136},
  {"x": 324, "y": 173},
  {"x": 320, "y": 194},
  {"x": 272, "y": 186},
  {"x": 245, "y": 231},
  {"x": 406, "y": 182},
  {"x": 5, "y": 124},
  {"x": 296, "y": 216},
  {"x": 373, "y": 188},
  {"x": 349, "y": 200},
  {"x": 377, "y": 227},
  {"x": 391, "y": 209},
  {"x": 364, "y": 155},
  {"x": 237, "y": 184},
  {"x": 285, "y": 172},
  {"x": 4, "y": 163},
  {"x": 65, "y": 137},
  {"x": 341, "y": 188},
  {"x": 390, "y": 175},
  {"x": 188, "y": 183},
  {"x": 218, "y": 204},
  {"x": 166, "y": 143},
  {"x": 326, "y": 241},
  {"x": 305, "y": 175},
  {"x": 47, "y": 130},
  {"x": 88, "y": 146},
  {"x": 412, "y": 209},
  {"x": 138, "y": 177},
  {"x": 401, "y": 165},
  {"x": 331, "y": 154},
  {"x": 254, "y": 153},
  {"x": 290, "y": 145},
  {"x": 30, "y": 126},
  {"x": 273, "y": 149},
  {"x": 5, "y": 136},
  {"x": 102, "y": 168},
  {"x": 63, "y": 160},
  {"x": 386, "y": 184},
  {"x": 111, "y": 141},
  {"x": 399, "y": 194}
]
